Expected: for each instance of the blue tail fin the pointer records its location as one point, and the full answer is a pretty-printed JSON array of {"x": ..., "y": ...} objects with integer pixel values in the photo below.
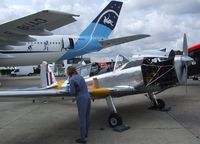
[{"x": 105, "y": 22}]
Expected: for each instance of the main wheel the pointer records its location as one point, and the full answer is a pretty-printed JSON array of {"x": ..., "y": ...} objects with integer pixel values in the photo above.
[
  {"x": 161, "y": 103},
  {"x": 114, "y": 120},
  {"x": 30, "y": 74},
  {"x": 195, "y": 78}
]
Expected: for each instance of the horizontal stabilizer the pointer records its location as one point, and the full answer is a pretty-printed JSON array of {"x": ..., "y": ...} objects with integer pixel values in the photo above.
[{"x": 121, "y": 40}]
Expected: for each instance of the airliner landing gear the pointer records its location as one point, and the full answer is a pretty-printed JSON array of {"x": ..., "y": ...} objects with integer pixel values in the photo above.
[
  {"x": 114, "y": 118},
  {"x": 156, "y": 103}
]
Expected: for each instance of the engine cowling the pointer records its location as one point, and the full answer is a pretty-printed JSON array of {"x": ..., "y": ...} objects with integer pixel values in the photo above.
[{"x": 181, "y": 63}]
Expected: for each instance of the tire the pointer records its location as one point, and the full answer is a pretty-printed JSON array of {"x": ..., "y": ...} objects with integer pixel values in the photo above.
[
  {"x": 161, "y": 103},
  {"x": 114, "y": 120},
  {"x": 13, "y": 75},
  {"x": 29, "y": 74},
  {"x": 195, "y": 78}
]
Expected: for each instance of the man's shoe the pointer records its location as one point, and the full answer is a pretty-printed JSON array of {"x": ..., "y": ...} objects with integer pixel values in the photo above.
[{"x": 81, "y": 141}]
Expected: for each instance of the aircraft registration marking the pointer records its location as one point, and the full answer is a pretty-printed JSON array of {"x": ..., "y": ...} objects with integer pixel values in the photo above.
[{"x": 31, "y": 24}]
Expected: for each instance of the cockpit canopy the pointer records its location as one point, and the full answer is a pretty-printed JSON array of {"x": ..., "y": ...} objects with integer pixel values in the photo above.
[{"x": 93, "y": 69}]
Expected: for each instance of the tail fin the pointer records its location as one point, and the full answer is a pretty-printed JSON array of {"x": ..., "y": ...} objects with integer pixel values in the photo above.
[
  {"x": 105, "y": 22},
  {"x": 47, "y": 77}
]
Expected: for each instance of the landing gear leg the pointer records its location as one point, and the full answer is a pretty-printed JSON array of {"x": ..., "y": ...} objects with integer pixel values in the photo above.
[
  {"x": 156, "y": 103},
  {"x": 114, "y": 118}
]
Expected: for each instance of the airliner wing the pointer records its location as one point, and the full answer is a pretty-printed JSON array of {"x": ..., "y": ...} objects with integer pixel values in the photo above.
[
  {"x": 121, "y": 40},
  {"x": 17, "y": 32},
  {"x": 5, "y": 56}
]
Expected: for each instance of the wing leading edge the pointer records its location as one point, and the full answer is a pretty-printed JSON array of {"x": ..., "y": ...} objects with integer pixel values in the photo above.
[{"x": 96, "y": 93}]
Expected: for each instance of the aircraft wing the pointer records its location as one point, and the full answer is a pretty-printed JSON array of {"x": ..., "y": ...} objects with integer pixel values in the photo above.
[
  {"x": 17, "y": 32},
  {"x": 32, "y": 93},
  {"x": 96, "y": 93},
  {"x": 5, "y": 56},
  {"x": 36, "y": 93},
  {"x": 163, "y": 54},
  {"x": 151, "y": 54},
  {"x": 121, "y": 40}
]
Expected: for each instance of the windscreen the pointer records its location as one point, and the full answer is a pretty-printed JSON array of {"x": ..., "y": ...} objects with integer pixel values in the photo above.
[{"x": 120, "y": 61}]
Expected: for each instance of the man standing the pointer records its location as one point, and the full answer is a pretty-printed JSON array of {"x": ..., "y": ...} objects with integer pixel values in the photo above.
[{"x": 79, "y": 88}]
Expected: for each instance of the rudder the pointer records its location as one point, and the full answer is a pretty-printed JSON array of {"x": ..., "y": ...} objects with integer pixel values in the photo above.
[
  {"x": 47, "y": 77},
  {"x": 105, "y": 22}
]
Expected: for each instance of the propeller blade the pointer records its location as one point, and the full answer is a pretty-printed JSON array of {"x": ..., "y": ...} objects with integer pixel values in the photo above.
[{"x": 185, "y": 45}]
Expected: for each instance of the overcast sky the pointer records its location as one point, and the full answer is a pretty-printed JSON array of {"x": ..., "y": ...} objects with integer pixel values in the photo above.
[{"x": 165, "y": 20}]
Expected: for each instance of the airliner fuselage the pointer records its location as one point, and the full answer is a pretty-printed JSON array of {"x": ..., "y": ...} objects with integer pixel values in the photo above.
[{"x": 50, "y": 48}]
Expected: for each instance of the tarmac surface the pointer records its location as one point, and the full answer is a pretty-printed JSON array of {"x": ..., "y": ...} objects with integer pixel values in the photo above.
[{"x": 56, "y": 121}]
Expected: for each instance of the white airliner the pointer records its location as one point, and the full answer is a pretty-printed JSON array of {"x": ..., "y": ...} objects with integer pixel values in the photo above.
[{"x": 28, "y": 40}]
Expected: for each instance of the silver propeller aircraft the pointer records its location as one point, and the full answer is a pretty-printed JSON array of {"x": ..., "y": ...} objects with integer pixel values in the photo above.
[{"x": 151, "y": 75}]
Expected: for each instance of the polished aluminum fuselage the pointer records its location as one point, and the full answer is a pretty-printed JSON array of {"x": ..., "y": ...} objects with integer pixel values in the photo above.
[{"x": 122, "y": 77}]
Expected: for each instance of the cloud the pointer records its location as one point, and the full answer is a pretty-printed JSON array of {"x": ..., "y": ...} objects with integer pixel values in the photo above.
[
  {"x": 167, "y": 6},
  {"x": 2, "y": 5},
  {"x": 14, "y": 11},
  {"x": 183, "y": 7}
]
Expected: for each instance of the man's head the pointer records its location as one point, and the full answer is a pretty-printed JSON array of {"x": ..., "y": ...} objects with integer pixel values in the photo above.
[{"x": 71, "y": 71}]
